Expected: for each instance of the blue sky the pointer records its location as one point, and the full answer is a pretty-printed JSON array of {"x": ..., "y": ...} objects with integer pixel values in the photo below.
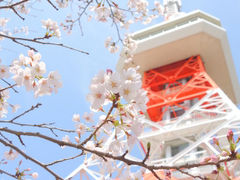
[{"x": 77, "y": 70}]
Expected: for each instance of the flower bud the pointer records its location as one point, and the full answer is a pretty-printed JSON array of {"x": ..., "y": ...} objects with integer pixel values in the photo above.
[
  {"x": 230, "y": 136},
  {"x": 214, "y": 159},
  {"x": 224, "y": 154},
  {"x": 214, "y": 172},
  {"x": 215, "y": 141}
]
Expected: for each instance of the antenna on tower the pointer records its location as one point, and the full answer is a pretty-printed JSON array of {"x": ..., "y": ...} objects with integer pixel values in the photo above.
[{"x": 172, "y": 8}]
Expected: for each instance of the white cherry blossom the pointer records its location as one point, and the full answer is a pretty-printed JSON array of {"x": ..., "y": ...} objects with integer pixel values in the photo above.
[
  {"x": 38, "y": 69},
  {"x": 35, "y": 175},
  {"x": 90, "y": 145},
  {"x": 114, "y": 82},
  {"x": 128, "y": 90},
  {"x": 15, "y": 107},
  {"x": 3, "y": 22},
  {"x": 76, "y": 118},
  {"x": 43, "y": 88},
  {"x": 102, "y": 13},
  {"x": 51, "y": 27},
  {"x": 4, "y": 71},
  {"x": 10, "y": 155},
  {"x": 80, "y": 129},
  {"x": 88, "y": 116},
  {"x": 97, "y": 96}
]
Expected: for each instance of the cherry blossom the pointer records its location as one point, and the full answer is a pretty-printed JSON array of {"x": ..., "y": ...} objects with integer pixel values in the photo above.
[
  {"x": 66, "y": 138},
  {"x": 51, "y": 27},
  {"x": 80, "y": 129},
  {"x": 29, "y": 72},
  {"x": 102, "y": 13},
  {"x": 88, "y": 116},
  {"x": 15, "y": 107},
  {"x": 62, "y": 3},
  {"x": 76, "y": 118},
  {"x": 35, "y": 175},
  {"x": 97, "y": 96},
  {"x": 90, "y": 145},
  {"x": 10, "y": 155},
  {"x": 3, "y": 22},
  {"x": 4, "y": 71}
]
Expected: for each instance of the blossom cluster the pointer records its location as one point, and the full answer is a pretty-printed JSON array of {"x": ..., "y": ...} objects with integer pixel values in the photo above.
[
  {"x": 4, "y": 93},
  {"x": 62, "y": 3},
  {"x": 111, "y": 45},
  {"x": 29, "y": 72},
  {"x": 124, "y": 91},
  {"x": 127, "y": 84},
  {"x": 11, "y": 155},
  {"x": 51, "y": 27}
]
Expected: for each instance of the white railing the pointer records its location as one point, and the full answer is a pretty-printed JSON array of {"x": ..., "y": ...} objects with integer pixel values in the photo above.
[{"x": 189, "y": 158}]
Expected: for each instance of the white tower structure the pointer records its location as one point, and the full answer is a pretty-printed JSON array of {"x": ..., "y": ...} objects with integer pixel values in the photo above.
[{"x": 193, "y": 89}]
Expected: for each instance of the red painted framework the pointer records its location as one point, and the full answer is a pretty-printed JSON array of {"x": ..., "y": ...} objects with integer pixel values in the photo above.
[{"x": 166, "y": 88}]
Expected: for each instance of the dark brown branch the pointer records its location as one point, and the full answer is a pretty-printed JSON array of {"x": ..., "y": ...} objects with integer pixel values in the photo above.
[
  {"x": 188, "y": 174},
  {"x": 6, "y": 139},
  {"x": 30, "y": 158},
  {"x": 65, "y": 159},
  {"x": 50, "y": 2},
  {"x": 15, "y": 11},
  {"x": 5, "y": 172},
  {"x": 12, "y": 7},
  {"x": 104, "y": 122},
  {"x": 44, "y": 126},
  {"x": 147, "y": 154},
  {"x": 119, "y": 158},
  {"x": 27, "y": 111},
  {"x": 155, "y": 174},
  {"x": 9, "y": 85},
  {"x": 114, "y": 22},
  {"x": 17, "y": 39}
]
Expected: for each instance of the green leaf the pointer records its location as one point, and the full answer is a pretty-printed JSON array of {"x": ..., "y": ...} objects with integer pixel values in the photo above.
[
  {"x": 221, "y": 168},
  {"x": 148, "y": 145},
  {"x": 238, "y": 156},
  {"x": 116, "y": 123},
  {"x": 232, "y": 147}
]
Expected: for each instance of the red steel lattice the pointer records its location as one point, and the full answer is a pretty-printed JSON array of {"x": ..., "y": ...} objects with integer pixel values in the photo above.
[{"x": 171, "y": 85}]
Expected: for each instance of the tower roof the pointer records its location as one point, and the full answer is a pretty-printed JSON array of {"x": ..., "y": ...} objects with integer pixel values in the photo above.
[{"x": 191, "y": 34}]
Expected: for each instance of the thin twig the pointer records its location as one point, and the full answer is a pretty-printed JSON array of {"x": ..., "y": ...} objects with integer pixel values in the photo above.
[
  {"x": 30, "y": 158},
  {"x": 50, "y": 2},
  {"x": 27, "y": 111},
  {"x": 104, "y": 122},
  {"x": 5, "y": 172},
  {"x": 12, "y": 7},
  {"x": 188, "y": 174},
  {"x": 65, "y": 159},
  {"x": 9, "y": 85},
  {"x": 44, "y": 126},
  {"x": 17, "y": 39},
  {"x": 1, "y": 90}
]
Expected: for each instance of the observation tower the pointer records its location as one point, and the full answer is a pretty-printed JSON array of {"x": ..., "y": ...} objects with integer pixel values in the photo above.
[{"x": 193, "y": 90}]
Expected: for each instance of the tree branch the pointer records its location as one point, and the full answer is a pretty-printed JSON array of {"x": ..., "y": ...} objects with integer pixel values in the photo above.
[
  {"x": 65, "y": 159},
  {"x": 27, "y": 111},
  {"x": 17, "y": 39},
  {"x": 30, "y": 158},
  {"x": 5, "y": 172},
  {"x": 119, "y": 158}
]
